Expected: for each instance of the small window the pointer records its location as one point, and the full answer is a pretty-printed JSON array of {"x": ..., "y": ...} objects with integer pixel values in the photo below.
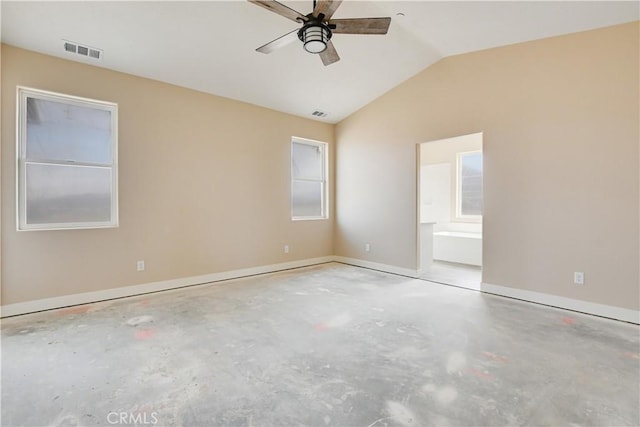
[
  {"x": 308, "y": 179},
  {"x": 67, "y": 169},
  {"x": 469, "y": 200}
]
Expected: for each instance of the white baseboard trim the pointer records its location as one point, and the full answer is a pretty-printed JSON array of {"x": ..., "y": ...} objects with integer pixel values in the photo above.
[
  {"x": 424, "y": 274},
  {"x": 128, "y": 291},
  {"x": 618, "y": 313},
  {"x": 612, "y": 312},
  {"x": 377, "y": 266}
]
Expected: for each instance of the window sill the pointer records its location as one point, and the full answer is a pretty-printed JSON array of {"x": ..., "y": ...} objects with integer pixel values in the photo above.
[{"x": 309, "y": 218}]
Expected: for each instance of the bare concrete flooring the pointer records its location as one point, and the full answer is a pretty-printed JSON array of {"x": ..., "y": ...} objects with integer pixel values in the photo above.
[
  {"x": 331, "y": 345},
  {"x": 449, "y": 273}
]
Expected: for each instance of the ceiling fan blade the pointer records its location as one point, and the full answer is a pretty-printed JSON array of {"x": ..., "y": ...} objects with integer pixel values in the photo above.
[
  {"x": 326, "y": 7},
  {"x": 361, "y": 25},
  {"x": 329, "y": 55},
  {"x": 280, "y": 9},
  {"x": 279, "y": 42}
]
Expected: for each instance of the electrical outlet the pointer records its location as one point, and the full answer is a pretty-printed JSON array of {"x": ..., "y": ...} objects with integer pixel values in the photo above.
[
  {"x": 367, "y": 247},
  {"x": 140, "y": 265},
  {"x": 286, "y": 249},
  {"x": 578, "y": 278}
]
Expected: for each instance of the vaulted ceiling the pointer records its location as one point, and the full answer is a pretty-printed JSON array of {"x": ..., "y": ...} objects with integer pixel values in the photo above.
[{"x": 210, "y": 46}]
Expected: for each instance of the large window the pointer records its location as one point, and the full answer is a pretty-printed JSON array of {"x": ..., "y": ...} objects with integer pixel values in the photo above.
[
  {"x": 67, "y": 162},
  {"x": 308, "y": 179},
  {"x": 469, "y": 198}
]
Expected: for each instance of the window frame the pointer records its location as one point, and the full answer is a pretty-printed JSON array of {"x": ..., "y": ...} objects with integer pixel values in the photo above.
[
  {"x": 324, "y": 181},
  {"x": 459, "y": 214},
  {"x": 23, "y": 94}
]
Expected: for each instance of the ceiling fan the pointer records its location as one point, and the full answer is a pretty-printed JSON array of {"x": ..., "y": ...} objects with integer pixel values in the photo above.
[{"x": 318, "y": 27}]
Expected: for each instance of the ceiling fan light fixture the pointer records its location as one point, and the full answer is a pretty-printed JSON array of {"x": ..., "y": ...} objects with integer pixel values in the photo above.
[
  {"x": 315, "y": 37},
  {"x": 318, "y": 27}
]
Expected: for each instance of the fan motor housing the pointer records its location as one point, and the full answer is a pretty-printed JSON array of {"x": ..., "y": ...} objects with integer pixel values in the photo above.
[{"x": 315, "y": 35}]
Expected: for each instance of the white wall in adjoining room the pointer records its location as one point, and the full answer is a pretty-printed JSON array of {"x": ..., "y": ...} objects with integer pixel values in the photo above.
[{"x": 438, "y": 182}]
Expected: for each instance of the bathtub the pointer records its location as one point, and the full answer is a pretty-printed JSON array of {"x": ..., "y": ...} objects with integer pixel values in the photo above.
[{"x": 458, "y": 246}]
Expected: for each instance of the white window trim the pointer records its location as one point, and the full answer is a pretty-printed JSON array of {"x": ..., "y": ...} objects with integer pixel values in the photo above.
[
  {"x": 324, "y": 182},
  {"x": 21, "y": 143},
  {"x": 459, "y": 215}
]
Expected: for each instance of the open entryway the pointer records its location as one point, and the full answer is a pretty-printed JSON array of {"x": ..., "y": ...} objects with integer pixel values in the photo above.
[{"x": 450, "y": 201}]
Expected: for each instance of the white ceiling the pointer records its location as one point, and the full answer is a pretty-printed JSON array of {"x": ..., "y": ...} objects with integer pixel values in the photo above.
[{"x": 210, "y": 46}]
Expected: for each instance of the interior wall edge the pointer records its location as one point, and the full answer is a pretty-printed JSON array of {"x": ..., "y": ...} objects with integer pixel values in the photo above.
[
  {"x": 145, "y": 288},
  {"x": 595, "y": 309},
  {"x": 386, "y": 268},
  {"x": 582, "y": 306},
  {"x": 602, "y": 310},
  {"x": 471, "y": 286}
]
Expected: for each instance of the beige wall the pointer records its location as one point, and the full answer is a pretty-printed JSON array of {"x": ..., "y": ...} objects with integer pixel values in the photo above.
[
  {"x": 560, "y": 123},
  {"x": 203, "y": 187},
  {"x": 204, "y": 181}
]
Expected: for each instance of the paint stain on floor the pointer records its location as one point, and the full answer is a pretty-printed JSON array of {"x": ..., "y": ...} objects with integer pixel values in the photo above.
[
  {"x": 495, "y": 357},
  {"x": 79, "y": 309},
  {"x": 144, "y": 334},
  {"x": 480, "y": 374}
]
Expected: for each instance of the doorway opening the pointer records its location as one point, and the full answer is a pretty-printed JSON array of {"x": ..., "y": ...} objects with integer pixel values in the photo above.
[{"x": 450, "y": 203}]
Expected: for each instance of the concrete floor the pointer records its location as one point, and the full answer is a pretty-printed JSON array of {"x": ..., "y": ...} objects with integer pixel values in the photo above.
[
  {"x": 327, "y": 345},
  {"x": 451, "y": 273}
]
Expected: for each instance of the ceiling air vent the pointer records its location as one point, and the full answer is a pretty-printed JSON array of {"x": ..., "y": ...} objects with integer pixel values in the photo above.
[
  {"x": 319, "y": 114},
  {"x": 78, "y": 49},
  {"x": 70, "y": 47}
]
